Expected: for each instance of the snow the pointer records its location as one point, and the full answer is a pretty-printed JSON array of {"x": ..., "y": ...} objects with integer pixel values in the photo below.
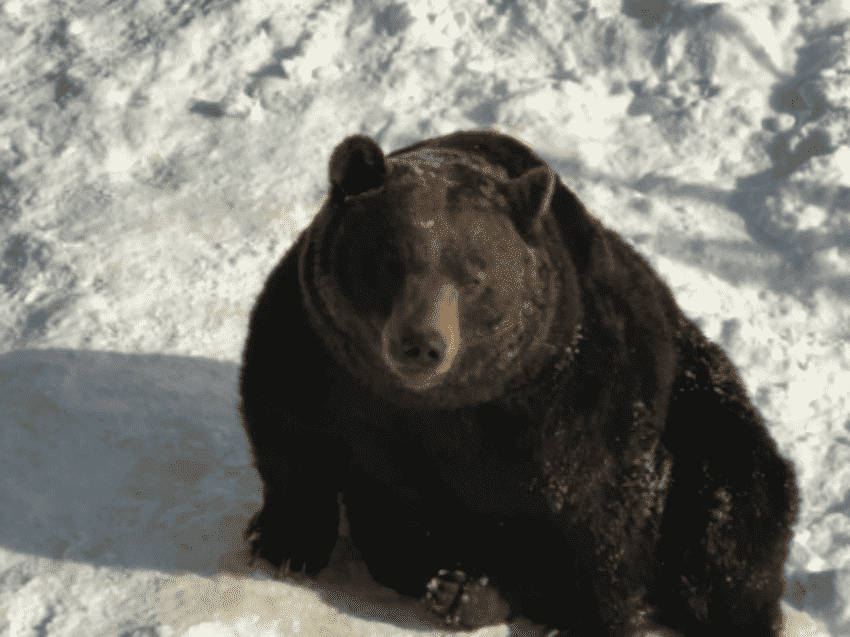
[{"x": 157, "y": 159}]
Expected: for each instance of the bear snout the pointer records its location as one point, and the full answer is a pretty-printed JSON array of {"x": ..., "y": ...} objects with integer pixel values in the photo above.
[{"x": 421, "y": 347}]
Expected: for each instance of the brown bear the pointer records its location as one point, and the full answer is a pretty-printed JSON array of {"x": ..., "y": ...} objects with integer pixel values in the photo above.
[{"x": 515, "y": 409}]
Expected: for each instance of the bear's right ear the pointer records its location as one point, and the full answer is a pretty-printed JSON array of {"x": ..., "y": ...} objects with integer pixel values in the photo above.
[{"x": 357, "y": 165}]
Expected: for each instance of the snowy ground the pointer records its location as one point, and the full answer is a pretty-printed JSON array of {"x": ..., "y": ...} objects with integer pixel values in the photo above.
[{"x": 157, "y": 159}]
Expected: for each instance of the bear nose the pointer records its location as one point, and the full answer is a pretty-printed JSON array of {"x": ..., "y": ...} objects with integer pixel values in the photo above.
[{"x": 426, "y": 349}]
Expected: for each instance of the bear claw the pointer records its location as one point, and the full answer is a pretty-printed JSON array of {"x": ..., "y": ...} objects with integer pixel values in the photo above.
[{"x": 464, "y": 601}]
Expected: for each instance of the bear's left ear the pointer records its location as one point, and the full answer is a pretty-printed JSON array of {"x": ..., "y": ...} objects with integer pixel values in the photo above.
[
  {"x": 530, "y": 196},
  {"x": 357, "y": 165}
]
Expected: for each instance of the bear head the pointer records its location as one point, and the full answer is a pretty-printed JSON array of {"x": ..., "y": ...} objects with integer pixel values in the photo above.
[{"x": 429, "y": 276}]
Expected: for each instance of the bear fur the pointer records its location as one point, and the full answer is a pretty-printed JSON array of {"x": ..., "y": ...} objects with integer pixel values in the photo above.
[{"x": 512, "y": 404}]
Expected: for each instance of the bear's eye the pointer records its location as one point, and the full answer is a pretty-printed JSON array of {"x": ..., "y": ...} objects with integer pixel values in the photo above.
[
  {"x": 476, "y": 278},
  {"x": 470, "y": 275}
]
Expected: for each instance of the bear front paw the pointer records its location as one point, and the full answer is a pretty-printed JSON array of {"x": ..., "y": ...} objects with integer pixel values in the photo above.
[
  {"x": 291, "y": 550},
  {"x": 465, "y": 601}
]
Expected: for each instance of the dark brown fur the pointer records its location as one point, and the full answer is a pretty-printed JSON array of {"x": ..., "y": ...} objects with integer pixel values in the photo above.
[{"x": 599, "y": 461}]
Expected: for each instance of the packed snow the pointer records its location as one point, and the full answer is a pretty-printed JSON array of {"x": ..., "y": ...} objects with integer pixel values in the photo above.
[{"x": 158, "y": 158}]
